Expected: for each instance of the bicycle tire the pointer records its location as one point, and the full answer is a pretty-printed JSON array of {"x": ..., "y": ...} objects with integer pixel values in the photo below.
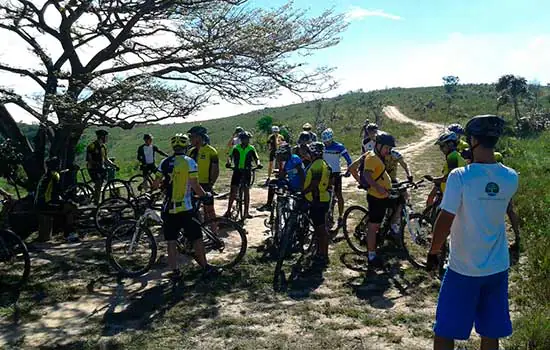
[
  {"x": 126, "y": 230},
  {"x": 355, "y": 228},
  {"x": 279, "y": 278},
  {"x": 223, "y": 224},
  {"x": 111, "y": 212},
  {"x": 240, "y": 205},
  {"x": 80, "y": 193},
  {"x": 116, "y": 189},
  {"x": 135, "y": 184},
  {"x": 417, "y": 243},
  {"x": 11, "y": 245}
]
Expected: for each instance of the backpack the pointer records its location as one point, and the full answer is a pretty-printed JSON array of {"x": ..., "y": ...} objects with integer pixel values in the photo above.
[{"x": 363, "y": 181}]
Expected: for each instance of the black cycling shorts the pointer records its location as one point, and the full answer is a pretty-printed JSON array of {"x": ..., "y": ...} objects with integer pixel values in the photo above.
[
  {"x": 148, "y": 169},
  {"x": 97, "y": 175},
  {"x": 272, "y": 155},
  {"x": 318, "y": 213},
  {"x": 186, "y": 221},
  {"x": 377, "y": 208},
  {"x": 239, "y": 174},
  {"x": 336, "y": 180}
]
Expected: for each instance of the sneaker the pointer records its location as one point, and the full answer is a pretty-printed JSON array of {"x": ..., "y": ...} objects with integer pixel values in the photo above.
[
  {"x": 265, "y": 207},
  {"x": 210, "y": 271},
  {"x": 72, "y": 237},
  {"x": 376, "y": 262}
]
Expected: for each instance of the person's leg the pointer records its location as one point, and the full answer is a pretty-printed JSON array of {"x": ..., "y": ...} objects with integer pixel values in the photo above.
[
  {"x": 371, "y": 236},
  {"x": 193, "y": 232},
  {"x": 172, "y": 255},
  {"x": 270, "y": 196},
  {"x": 322, "y": 236},
  {"x": 431, "y": 197},
  {"x": 269, "y": 169},
  {"x": 443, "y": 343},
  {"x": 171, "y": 226},
  {"x": 339, "y": 197},
  {"x": 376, "y": 215},
  {"x": 235, "y": 180},
  {"x": 489, "y": 344}
]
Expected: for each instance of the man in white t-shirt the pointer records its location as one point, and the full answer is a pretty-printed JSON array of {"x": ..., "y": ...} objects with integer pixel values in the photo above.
[{"x": 475, "y": 287}]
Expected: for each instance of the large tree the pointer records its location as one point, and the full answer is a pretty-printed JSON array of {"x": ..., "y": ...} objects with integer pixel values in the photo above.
[
  {"x": 511, "y": 88},
  {"x": 125, "y": 62}
]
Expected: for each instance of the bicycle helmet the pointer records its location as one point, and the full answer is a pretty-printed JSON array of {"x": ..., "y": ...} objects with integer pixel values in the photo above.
[
  {"x": 447, "y": 136},
  {"x": 317, "y": 149},
  {"x": 52, "y": 163},
  {"x": 179, "y": 140},
  {"x": 238, "y": 130},
  {"x": 305, "y": 137},
  {"x": 456, "y": 128},
  {"x": 327, "y": 135},
  {"x": 147, "y": 137},
  {"x": 383, "y": 138},
  {"x": 245, "y": 135},
  {"x": 306, "y": 127},
  {"x": 198, "y": 130},
  {"x": 275, "y": 128},
  {"x": 485, "y": 125},
  {"x": 101, "y": 133},
  {"x": 372, "y": 127}
]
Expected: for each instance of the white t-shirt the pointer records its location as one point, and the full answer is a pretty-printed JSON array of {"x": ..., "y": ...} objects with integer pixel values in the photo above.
[
  {"x": 149, "y": 154},
  {"x": 478, "y": 196},
  {"x": 236, "y": 141}
]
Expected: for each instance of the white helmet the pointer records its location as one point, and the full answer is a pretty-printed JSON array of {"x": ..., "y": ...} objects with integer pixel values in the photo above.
[
  {"x": 274, "y": 128},
  {"x": 327, "y": 135}
]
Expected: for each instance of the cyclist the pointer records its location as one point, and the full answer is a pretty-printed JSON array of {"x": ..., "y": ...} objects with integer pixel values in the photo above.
[
  {"x": 244, "y": 155},
  {"x": 307, "y": 128},
  {"x": 316, "y": 191},
  {"x": 97, "y": 161},
  {"x": 273, "y": 142},
  {"x": 292, "y": 173},
  {"x": 302, "y": 148},
  {"x": 48, "y": 201},
  {"x": 208, "y": 165},
  {"x": 332, "y": 154},
  {"x": 459, "y": 131},
  {"x": 233, "y": 141},
  {"x": 146, "y": 157},
  {"x": 179, "y": 175},
  {"x": 370, "y": 137},
  {"x": 475, "y": 286},
  {"x": 374, "y": 176},
  {"x": 447, "y": 142}
]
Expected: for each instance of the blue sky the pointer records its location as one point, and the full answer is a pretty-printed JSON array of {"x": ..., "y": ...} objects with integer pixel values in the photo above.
[{"x": 411, "y": 43}]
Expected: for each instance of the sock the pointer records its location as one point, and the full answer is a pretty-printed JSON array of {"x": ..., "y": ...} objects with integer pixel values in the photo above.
[{"x": 372, "y": 255}]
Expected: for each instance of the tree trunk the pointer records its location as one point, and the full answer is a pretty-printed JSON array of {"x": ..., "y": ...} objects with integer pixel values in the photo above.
[
  {"x": 516, "y": 111},
  {"x": 64, "y": 147}
]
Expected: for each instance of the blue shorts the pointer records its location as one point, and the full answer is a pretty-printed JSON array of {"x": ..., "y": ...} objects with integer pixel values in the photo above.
[{"x": 465, "y": 301}]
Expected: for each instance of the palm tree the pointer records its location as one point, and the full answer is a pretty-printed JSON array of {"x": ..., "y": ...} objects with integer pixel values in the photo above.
[{"x": 511, "y": 88}]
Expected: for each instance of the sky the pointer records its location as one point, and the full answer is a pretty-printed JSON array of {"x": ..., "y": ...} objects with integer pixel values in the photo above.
[{"x": 404, "y": 43}]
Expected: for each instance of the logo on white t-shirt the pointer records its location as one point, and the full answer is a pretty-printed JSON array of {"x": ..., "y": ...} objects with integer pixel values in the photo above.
[{"x": 492, "y": 189}]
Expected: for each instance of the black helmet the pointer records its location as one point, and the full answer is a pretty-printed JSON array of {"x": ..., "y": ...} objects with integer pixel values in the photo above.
[
  {"x": 383, "y": 138},
  {"x": 284, "y": 149},
  {"x": 305, "y": 137},
  {"x": 198, "y": 130},
  {"x": 456, "y": 128},
  {"x": 52, "y": 163},
  {"x": 101, "y": 133},
  {"x": 372, "y": 127},
  {"x": 317, "y": 149},
  {"x": 238, "y": 130},
  {"x": 447, "y": 136},
  {"x": 245, "y": 135},
  {"x": 147, "y": 137},
  {"x": 485, "y": 125}
]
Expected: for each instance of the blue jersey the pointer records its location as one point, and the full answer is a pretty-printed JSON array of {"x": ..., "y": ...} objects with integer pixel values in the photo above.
[
  {"x": 292, "y": 172},
  {"x": 332, "y": 155}
]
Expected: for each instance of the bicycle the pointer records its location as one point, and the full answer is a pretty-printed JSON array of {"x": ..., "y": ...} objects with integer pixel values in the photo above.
[
  {"x": 224, "y": 240},
  {"x": 432, "y": 210},
  {"x": 140, "y": 184},
  {"x": 15, "y": 262},
  {"x": 83, "y": 193},
  {"x": 237, "y": 212},
  {"x": 413, "y": 236},
  {"x": 332, "y": 230}
]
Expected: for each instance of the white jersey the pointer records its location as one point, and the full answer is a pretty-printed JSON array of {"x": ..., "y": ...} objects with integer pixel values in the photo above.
[
  {"x": 367, "y": 145},
  {"x": 478, "y": 196},
  {"x": 149, "y": 154},
  {"x": 236, "y": 141}
]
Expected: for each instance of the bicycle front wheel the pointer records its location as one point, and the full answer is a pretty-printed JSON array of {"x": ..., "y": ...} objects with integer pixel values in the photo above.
[
  {"x": 355, "y": 228},
  {"x": 417, "y": 239},
  {"x": 225, "y": 242},
  {"x": 139, "y": 185},
  {"x": 111, "y": 212},
  {"x": 80, "y": 193},
  {"x": 15, "y": 262},
  {"x": 131, "y": 249},
  {"x": 116, "y": 189},
  {"x": 285, "y": 243}
]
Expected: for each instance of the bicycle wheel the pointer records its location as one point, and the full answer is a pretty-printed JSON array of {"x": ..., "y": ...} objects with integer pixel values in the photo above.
[
  {"x": 111, "y": 212},
  {"x": 225, "y": 242},
  {"x": 116, "y": 189},
  {"x": 131, "y": 249},
  {"x": 417, "y": 239},
  {"x": 252, "y": 178},
  {"x": 355, "y": 228},
  {"x": 285, "y": 244},
  {"x": 80, "y": 193},
  {"x": 15, "y": 263},
  {"x": 238, "y": 210},
  {"x": 139, "y": 185}
]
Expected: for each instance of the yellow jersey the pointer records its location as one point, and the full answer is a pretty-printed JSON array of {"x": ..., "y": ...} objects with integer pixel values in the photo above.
[
  {"x": 177, "y": 170},
  {"x": 462, "y": 145},
  {"x": 375, "y": 166},
  {"x": 205, "y": 157},
  {"x": 318, "y": 170},
  {"x": 453, "y": 160}
]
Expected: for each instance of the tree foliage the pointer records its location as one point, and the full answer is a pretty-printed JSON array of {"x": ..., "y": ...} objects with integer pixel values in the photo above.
[
  {"x": 264, "y": 124},
  {"x": 511, "y": 89}
]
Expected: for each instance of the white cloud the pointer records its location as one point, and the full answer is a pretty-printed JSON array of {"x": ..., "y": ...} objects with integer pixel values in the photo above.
[{"x": 356, "y": 13}]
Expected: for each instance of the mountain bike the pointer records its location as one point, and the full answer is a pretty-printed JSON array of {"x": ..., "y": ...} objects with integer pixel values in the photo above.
[
  {"x": 332, "y": 225},
  {"x": 140, "y": 184},
  {"x": 15, "y": 262},
  {"x": 432, "y": 210},
  {"x": 237, "y": 212},
  {"x": 132, "y": 249},
  {"x": 82, "y": 193}
]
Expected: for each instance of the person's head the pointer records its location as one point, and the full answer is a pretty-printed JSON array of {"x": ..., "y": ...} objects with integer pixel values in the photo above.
[
  {"x": 52, "y": 164},
  {"x": 372, "y": 129},
  {"x": 307, "y": 127},
  {"x": 198, "y": 135},
  {"x": 483, "y": 132},
  {"x": 384, "y": 143},
  {"x": 304, "y": 138},
  {"x": 457, "y": 129},
  {"x": 148, "y": 139},
  {"x": 102, "y": 135},
  {"x": 316, "y": 150},
  {"x": 284, "y": 152},
  {"x": 179, "y": 143},
  {"x": 238, "y": 130},
  {"x": 275, "y": 129},
  {"x": 327, "y": 136},
  {"x": 447, "y": 142},
  {"x": 245, "y": 138}
]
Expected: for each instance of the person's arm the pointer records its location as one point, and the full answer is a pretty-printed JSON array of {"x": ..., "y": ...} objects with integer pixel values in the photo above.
[
  {"x": 140, "y": 155},
  {"x": 405, "y": 166},
  {"x": 256, "y": 158},
  {"x": 514, "y": 221},
  {"x": 301, "y": 174},
  {"x": 354, "y": 169},
  {"x": 111, "y": 163},
  {"x": 159, "y": 151},
  {"x": 196, "y": 187},
  {"x": 214, "y": 168},
  {"x": 449, "y": 207},
  {"x": 441, "y": 230},
  {"x": 370, "y": 180},
  {"x": 313, "y": 185},
  {"x": 346, "y": 156}
]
